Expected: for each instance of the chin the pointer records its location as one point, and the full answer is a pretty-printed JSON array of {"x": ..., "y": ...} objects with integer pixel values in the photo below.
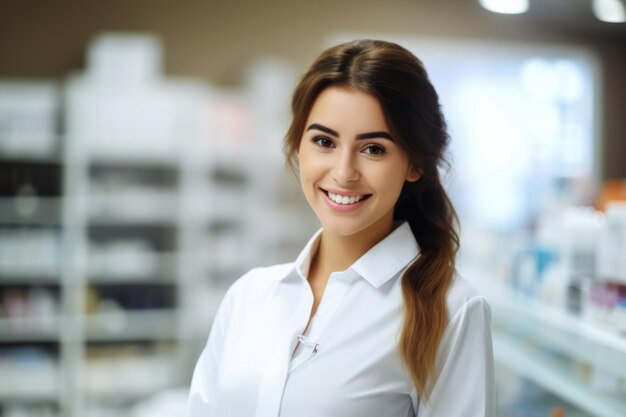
[
  {"x": 344, "y": 227},
  {"x": 340, "y": 230}
]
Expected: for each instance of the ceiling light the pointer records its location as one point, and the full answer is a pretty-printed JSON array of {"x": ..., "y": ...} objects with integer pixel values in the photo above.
[
  {"x": 505, "y": 6},
  {"x": 611, "y": 11}
]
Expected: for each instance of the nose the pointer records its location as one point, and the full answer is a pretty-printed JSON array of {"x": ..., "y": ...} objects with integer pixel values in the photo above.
[{"x": 345, "y": 170}]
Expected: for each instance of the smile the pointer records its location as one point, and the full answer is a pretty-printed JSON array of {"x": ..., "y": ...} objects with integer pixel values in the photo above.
[{"x": 344, "y": 199}]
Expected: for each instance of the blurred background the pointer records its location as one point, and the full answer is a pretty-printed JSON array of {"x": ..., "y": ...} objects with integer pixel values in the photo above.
[{"x": 141, "y": 173}]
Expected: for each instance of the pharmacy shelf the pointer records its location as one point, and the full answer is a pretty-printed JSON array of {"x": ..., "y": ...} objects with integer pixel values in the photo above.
[
  {"x": 555, "y": 328},
  {"x": 158, "y": 280},
  {"x": 32, "y": 249},
  {"x": 27, "y": 158},
  {"x": 125, "y": 326},
  {"x": 156, "y": 189},
  {"x": 555, "y": 375},
  {"x": 129, "y": 159},
  {"x": 16, "y": 331},
  {"x": 29, "y": 394},
  {"x": 117, "y": 395},
  {"x": 12, "y": 278},
  {"x": 552, "y": 346},
  {"x": 30, "y": 211},
  {"x": 32, "y": 380},
  {"x": 126, "y": 234},
  {"x": 141, "y": 267},
  {"x": 162, "y": 221},
  {"x": 35, "y": 271},
  {"x": 29, "y": 337},
  {"x": 139, "y": 210}
]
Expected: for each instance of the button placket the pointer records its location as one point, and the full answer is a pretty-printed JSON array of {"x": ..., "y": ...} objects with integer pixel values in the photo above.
[
  {"x": 274, "y": 378},
  {"x": 333, "y": 295}
]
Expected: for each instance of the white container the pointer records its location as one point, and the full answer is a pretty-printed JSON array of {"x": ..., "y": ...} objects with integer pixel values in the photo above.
[
  {"x": 124, "y": 58},
  {"x": 612, "y": 247},
  {"x": 28, "y": 118}
]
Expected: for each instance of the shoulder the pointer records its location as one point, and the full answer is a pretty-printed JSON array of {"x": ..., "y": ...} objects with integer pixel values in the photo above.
[
  {"x": 249, "y": 292},
  {"x": 462, "y": 296},
  {"x": 258, "y": 281}
]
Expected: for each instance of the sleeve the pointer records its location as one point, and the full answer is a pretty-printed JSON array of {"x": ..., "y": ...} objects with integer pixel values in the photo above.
[
  {"x": 202, "y": 393},
  {"x": 465, "y": 385}
]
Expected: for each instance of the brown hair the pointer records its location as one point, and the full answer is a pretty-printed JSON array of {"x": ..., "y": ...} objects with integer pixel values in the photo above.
[{"x": 411, "y": 107}]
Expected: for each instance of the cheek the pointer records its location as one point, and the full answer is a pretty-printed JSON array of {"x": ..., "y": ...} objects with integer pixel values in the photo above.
[
  {"x": 304, "y": 168},
  {"x": 311, "y": 164},
  {"x": 308, "y": 174},
  {"x": 391, "y": 179}
]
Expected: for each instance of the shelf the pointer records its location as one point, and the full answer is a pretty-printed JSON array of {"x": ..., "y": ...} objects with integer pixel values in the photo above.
[
  {"x": 19, "y": 279},
  {"x": 30, "y": 210},
  {"x": 129, "y": 392},
  {"x": 30, "y": 251},
  {"x": 555, "y": 376},
  {"x": 52, "y": 159},
  {"x": 140, "y": 222},
  {"x": 141, "y": 325},
  {"x": 157, "y": 281},
  {"x": 132, "y": 208},
  {"x": 30, "y": 394},
  {"x": 30, "y": 270},
  {"x": 43, "y": 330},
  {"x": 556, "y": 328},
  {"x": 145, "y": 370},
  {"x": 157, "y": 222},
  {"x": 130, "y": 159},
  {"x": 29, "y": 381},
  {"x": 112, "y": 266}
]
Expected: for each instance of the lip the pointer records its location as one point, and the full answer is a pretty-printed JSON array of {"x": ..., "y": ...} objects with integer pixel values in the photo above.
[
  {"x": 344, "y": 208},
  {"x": 342, "y": 192}
]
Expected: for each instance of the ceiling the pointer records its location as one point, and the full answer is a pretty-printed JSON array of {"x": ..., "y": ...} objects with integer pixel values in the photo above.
[{"x": 573, "y": 16}]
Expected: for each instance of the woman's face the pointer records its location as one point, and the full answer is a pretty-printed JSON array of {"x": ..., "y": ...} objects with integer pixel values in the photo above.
[{"x": 351, "y": 170}]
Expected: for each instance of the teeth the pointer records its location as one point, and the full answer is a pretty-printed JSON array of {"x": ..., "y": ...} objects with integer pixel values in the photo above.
[{"x": 342, "y": 199}]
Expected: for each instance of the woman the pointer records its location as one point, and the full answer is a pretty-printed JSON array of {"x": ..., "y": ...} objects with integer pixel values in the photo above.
[{"x": 371, "y": 319}]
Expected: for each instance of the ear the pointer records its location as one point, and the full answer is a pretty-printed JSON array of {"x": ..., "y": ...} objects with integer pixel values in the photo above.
[{"x": 413, "y": 174}]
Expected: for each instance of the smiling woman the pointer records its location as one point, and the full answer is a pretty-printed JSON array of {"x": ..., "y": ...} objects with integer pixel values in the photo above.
[{"x": 371, "y": 319}]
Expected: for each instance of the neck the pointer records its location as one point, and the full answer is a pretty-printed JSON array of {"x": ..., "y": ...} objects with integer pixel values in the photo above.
[{"x": 337, "y": 253}]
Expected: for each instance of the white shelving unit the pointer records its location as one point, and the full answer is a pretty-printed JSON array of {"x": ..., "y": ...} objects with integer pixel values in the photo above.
[
  {"x": 559, "y": 351},
  {"x": 166, "y": 198},
  {"x": 125, "y": 211},
  {"x": 170, "y": 191},
  {"x": 32, "y": 245},
  {"x": 557, "y": 376}
]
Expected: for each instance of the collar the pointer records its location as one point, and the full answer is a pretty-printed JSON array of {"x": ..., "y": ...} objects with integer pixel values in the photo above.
[{"x": 379, "y": 264}]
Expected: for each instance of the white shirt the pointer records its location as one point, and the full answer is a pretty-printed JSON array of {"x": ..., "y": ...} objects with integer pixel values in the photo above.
[{"x": 348, "y": 363}]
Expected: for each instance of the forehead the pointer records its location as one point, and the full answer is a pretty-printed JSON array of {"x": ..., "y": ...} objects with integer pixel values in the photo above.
[{"x": 348, "y": 110}]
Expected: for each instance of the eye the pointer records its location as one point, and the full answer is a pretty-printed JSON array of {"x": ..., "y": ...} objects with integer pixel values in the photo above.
[
  {"x": 374, "y": 149},
  {"x": 322, "y": 141}
]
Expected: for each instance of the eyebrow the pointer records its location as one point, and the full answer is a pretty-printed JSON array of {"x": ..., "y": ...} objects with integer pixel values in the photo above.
[{"x": 360, "y": 136}]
